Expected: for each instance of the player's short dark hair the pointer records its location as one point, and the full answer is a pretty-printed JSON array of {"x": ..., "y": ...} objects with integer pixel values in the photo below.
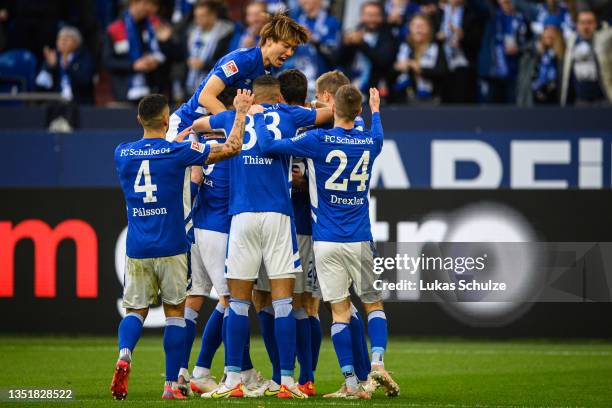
[
  {"x": 215, "y": 6},
  {"x": 266, "y": 86},
  {"x": 293, "y": 86},
  {"x": 150, "y": 110},
  {"x": 226, "y": 97},
  {"x": 331, "y": 81},
  {"x": 348, "y": 101}
]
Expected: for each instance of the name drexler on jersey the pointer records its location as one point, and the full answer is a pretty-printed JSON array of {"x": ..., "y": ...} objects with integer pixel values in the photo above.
[
  {"x": 145, "y": 212},
  {"x": 141, "y": 152},
  {"x": 334, "y": 199},
  {"x": 348, "y": 140}
]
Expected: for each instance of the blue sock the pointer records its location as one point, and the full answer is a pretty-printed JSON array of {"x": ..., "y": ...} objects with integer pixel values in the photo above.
[
  {"x": 360, "y": 347},
  {"x": 224, "y": 335},
  {"x": 377, "y": 330},
  {"x": 247, "y": 364},
  {"x": 191, "y": 317},
  {"x": 211, "y": 337},
  {"x": 174, "y": 346},
  {"x": 284, "y": 331},
  {"x": 237, "y": 332},
  {"x": 341, "y": 337},
  {"x": 303, "y": 346},
  {"x": 316, "y": 336},
  {"x": 266, "y": 327},
  {"x": 128, "y": 334}
]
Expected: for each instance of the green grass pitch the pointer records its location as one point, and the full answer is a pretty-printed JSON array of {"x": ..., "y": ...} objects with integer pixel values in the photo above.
[{"x": 432, "y": 373}]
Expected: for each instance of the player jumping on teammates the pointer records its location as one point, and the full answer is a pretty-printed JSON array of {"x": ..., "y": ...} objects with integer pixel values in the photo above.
[
  {"x": 154, "y": 177},
  {"x": 278, "y": 40},
  {"x": 340, "y": 162}
]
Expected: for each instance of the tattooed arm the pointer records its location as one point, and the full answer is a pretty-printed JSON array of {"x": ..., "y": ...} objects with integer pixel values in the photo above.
[{"x": 233, "y": 144}]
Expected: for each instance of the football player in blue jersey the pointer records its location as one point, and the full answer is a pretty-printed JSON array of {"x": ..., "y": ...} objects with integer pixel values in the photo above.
[
  {"x": 211, "y": 225},
  {"x": 261, "y": 230},
  {"x": 154, "y": 176},
  {"x": 340, "y": 162},
  {"x": 278, "y": 40}
]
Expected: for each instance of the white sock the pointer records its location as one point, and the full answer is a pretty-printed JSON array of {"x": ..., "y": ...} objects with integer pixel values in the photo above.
[
  {"x": 377, "y": 359},
  {"x": 233, "y": 379},
  {"x": 351, "y": 381},
  {"x": 248, "y": 375},
  {"x": 125, "y": 354},
  {"x": 201, "y": 372},
  {"x": 287, "y": 380},
  {"x": 172, "y": 384},
  {"x": 184, "y": 373}
]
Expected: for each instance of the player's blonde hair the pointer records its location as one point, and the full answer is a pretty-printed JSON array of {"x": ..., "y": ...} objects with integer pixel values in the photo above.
[
  {"x": 331, "y": 81},
  {"x": 283, "y": 28},
  {"x": 348, "y": 101}
]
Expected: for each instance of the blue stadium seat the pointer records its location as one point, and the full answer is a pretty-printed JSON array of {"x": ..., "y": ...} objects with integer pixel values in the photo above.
[{"x": 17, "y": 69}]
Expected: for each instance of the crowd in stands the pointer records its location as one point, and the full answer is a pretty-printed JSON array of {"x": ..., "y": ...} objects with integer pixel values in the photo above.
[{"x": 415, "y": 51}]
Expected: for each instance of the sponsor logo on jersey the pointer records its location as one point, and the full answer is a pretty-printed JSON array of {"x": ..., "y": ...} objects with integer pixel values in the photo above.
[
  {"x": 230, "y": 68},
  {"x": 197, "y": 146}
]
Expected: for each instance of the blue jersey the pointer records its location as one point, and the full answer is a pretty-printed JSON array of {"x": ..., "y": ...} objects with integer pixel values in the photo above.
[
  {"x": 339, "y": 163},
  {"x": 301, "y": 198},
  {"x": 155, "y": 180},
  {"x": 261, "y": 183},
  {"x": 210, "y": 211},
  {"x": 238, "y": 69},
  {"x": 301, "y": 201}
]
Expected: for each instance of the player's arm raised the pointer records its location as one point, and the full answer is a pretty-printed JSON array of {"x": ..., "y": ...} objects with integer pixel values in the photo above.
[
  {"x": 377, "y": 129},
  {"x": 233, "y": 144},
  {"x": 208, "y": 97}
]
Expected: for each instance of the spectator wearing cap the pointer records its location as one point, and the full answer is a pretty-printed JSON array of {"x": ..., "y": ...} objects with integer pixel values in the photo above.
[
  {"x": 319, "y": 54},
  {"x": 421, "y": 64},
  {"x": 370, "y": 49},
  {"x": 131, "y": 52},
  {"x": 207, "y": 41},
  {"x": 506, "y": 36},
  {"x": 256, "y": 17},
  {"x": 69, "y": 69},
  {"x": 587, "y": 69},
  {"x": 461, "y": 34}
]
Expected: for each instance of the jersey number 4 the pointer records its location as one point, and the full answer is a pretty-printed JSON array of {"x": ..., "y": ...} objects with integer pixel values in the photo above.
[
  {"x": 358, "y": 174},
  {"x": 148, "y": 187}
]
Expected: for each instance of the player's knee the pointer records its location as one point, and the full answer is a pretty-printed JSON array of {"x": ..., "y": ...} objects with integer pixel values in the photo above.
[
  {"x": 174, "y": 310},
  {"x": 241, "y": 289},
  {"x": 282, "y": 288},
  {"x": 341, "y": 311},
  {"x": 261, "y": 299},
  {"x": 194, "y": 302},
  {"x": 141, "y": 312}
]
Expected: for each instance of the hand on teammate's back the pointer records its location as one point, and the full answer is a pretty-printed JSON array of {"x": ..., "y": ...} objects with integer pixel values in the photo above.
[
  {"x": 256, "y": 109},
  {"x": 243, "y": 101},
  {"x": 374, "y": 100}
]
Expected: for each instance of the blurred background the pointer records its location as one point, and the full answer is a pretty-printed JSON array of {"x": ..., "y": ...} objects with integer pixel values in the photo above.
[{"x": 494, "y": 111}]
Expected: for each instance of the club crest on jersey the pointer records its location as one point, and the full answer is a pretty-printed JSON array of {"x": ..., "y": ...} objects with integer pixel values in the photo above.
[
  {"x": 230, "y": 68},
  {"x": 197, "y": 146}
]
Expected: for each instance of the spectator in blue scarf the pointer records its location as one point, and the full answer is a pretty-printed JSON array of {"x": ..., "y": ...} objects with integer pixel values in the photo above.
[
  {"x": 68, "y": 69},
  {"x": 420, "y": 64},
  {"x": 319, "y": 54},
  {"x": 550, "y": 49},
  {"x": 506, "y": 37},
  {"x": 131, "y": 52}
]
